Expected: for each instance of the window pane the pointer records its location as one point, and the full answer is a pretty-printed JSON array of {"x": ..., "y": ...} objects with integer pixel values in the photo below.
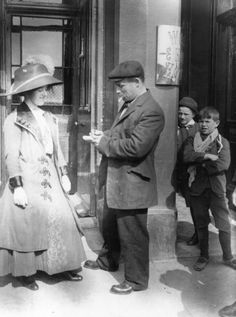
[
  {"x": 55, "y": 95},
  {"x": 16, "y": 20},
  {"x": 42, "y": 42},
  {"x": 41, "y": 21},
  {"x": 13, "y": 69},
  {"x": 67, "y": 2},
  {"x": 15, "y": 42}
]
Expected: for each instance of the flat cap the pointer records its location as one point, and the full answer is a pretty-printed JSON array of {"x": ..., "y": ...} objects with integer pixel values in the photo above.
[
  {"x": 189, "y": 103},
  {"x": 128, "y": 69}
]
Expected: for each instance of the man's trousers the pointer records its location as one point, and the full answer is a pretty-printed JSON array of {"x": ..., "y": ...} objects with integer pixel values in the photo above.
[{"x": 125, "y": 233}]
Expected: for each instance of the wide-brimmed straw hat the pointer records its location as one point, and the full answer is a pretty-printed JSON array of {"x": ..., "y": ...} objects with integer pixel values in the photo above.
[{"x": 29, "y": 77}]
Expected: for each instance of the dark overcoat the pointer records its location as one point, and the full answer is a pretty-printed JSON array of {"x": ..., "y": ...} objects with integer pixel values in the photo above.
[
  {"x": 209, "y": 174},
  {"x": 180, "y": 173},
  {"x": 128, "y": 168}
]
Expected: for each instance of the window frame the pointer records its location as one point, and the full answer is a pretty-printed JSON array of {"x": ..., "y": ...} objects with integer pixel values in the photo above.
[{"x": 66, "y": 30}]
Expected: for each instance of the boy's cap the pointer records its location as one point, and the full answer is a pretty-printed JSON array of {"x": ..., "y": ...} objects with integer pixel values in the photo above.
[
  {"x": 189, "y": 103},
  {"x": 128, "y": 69}
]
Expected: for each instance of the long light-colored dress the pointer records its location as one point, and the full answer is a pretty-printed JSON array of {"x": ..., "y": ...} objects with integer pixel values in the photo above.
[{"x": 44, "y": 236}]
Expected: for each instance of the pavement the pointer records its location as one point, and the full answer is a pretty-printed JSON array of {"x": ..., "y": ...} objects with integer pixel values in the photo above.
[{"x": 175, "y": 289}]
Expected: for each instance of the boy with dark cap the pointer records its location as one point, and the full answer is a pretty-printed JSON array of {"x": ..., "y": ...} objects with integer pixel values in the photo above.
[
  {"x": 188, "y": 109},
  {"x": 128, "y": 173},
  {"x": 209, "y": 155}
]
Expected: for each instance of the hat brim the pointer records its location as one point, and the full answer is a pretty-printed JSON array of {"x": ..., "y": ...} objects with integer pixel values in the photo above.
[{"x": 34, "y": 83}]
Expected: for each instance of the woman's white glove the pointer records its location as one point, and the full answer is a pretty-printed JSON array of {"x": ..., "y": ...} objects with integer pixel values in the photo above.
[
  {"x": 66, "y": 184},
  {"x": 20, "y": 197},
  {"x": 234, "y": 197}
]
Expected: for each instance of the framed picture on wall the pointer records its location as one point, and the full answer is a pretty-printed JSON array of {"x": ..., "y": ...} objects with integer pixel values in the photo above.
[{"x": 168, "y": 55}]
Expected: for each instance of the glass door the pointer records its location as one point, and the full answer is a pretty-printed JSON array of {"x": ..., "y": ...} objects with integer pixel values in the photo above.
[{"x": 62, "y": 30}]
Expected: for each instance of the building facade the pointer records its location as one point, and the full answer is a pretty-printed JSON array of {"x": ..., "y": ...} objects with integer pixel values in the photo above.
[{"x": 86, "y": 39}]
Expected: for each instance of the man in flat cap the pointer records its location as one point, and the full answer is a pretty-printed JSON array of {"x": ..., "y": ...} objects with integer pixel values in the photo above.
[
  {"x": 188, "y": 109},
  {"x": 128, "y": 174}
]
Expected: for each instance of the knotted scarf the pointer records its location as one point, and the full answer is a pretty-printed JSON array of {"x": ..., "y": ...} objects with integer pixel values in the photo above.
[{"x": 201, "y": 145}]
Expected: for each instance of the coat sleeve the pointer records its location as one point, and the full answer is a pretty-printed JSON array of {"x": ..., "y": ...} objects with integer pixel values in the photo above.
[
  {"x": 190, "y": 156},
  {"x": 234, "y": 177},
  {"x": 223, "y": 162},
  {"x": 61, "y": 160},
  {"x": 138, "y": 143},
  {"x": 12, "y": 143}
]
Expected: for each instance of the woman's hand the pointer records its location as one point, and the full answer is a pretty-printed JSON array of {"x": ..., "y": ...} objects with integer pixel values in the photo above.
[
  {"x": 234, "y": 197},
  {"x": 20, "y": 197},
  {"x": 66, "y": 184}
]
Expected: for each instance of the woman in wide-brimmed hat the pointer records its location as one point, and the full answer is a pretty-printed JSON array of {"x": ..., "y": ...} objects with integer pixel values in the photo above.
[{"x": 37, "y": 227}]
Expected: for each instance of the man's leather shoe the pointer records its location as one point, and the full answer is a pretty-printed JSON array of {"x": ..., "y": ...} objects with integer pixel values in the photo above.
[
  {"x": 201, "y": 263},
  {"x": 193, "y": 240},
  {"x": 231, "y": 263},
  {"x": 93, "y": 265},
  {"x": 29, "y": 282},
  {"x": 228, "y": 311},
  {"x": 96, "y": 265},
  {"x": 73, "y": 276},
  {"x": 121, "y": 289}
]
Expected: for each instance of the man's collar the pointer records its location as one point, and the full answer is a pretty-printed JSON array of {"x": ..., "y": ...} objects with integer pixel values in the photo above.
[{"x": 191, "y": 122}]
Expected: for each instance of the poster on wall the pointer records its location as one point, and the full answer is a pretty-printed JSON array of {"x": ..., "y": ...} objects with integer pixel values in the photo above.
[{"x": 168, "y": 55}]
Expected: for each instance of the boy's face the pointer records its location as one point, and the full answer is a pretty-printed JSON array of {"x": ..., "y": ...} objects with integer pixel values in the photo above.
[
  {"x": 207, "y": 125},
  {"x": 185, "y": 115}
]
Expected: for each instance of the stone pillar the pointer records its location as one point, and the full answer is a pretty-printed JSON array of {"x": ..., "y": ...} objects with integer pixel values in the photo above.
[{"x": 138, "y": 22}]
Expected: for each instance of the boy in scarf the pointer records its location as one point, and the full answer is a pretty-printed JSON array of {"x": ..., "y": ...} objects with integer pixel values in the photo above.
[{"x": 208, "y": 156}]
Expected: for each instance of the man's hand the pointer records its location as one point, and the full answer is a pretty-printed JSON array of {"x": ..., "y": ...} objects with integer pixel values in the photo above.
[
  {"x": 20, "y": 197},
  {"x": 211, "y": 157},
  {"x": 97, "y": 139},
  {"x": 94, "y": 137},
  {"x": 66, "y": 184}
]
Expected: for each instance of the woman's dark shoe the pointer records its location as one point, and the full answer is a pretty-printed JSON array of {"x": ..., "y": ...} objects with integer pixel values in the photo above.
[
  {"x": 201, "y": 263},
  {"x": 228, "y": 311},
  {"x": 73, "y": 276},
  {"x": 77, "y": 270},
  {"x": 193, "y": 240},
  {"x": 28, "y": 282}
]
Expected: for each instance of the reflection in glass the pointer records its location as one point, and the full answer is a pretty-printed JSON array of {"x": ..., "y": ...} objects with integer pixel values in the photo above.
[
  {"x": 41, "y": 36},
  {"x": 40, "y": 21},
  {"x": 15, "y": 42},
  {"x": 16, "y": 20},
  {"x": 13, "y": 69},
  {"x": 66, "y": 2},
  {"x": 42, "y": 42}
]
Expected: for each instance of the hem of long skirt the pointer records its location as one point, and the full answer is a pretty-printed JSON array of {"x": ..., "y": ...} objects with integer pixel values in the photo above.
[{"x": 48, "y": 272}]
